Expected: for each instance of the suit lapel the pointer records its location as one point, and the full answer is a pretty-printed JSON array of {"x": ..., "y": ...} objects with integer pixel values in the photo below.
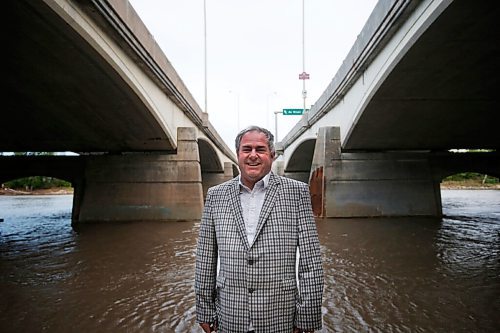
[
  {"x": 235, "y": 204},
  {"x": 269, "y": 201}
]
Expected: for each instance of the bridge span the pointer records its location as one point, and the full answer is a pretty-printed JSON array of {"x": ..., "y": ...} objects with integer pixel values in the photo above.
[
  {"x": 88, "y": 77},
  {"x": 421, "y": 79}
]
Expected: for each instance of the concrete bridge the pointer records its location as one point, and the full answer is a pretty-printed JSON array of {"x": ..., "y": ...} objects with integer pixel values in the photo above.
[
  {"x": 421, "y": 79},
  {"x": 87, "y": 77}
]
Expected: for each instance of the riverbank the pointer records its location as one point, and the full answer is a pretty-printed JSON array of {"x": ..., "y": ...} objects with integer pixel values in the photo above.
[
  {"x": 449, "y": 185},
  {"x": 468, "y": 185},
  {"x": 45, "y": 191}
]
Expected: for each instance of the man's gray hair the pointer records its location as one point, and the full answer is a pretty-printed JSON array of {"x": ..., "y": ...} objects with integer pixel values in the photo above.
[{"x": 267, "y": 133}]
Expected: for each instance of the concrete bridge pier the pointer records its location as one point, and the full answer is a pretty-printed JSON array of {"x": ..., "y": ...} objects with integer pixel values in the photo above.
[
  {"x": 142, "y": 187},
  {"x": 214, "y": 178},
  {"x": 370, "y": 184}
]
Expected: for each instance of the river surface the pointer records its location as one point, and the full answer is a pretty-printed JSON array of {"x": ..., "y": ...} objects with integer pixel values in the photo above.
[{"x": 381, "y": 275}]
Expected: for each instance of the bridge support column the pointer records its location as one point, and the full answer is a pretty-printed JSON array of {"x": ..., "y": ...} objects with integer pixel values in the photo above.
[
  {"x": 144, "y": 187},
  {"x": 370, "y": 184},
  {"x": 214, "y": 178},
  {"x": 279, "y": 168}
]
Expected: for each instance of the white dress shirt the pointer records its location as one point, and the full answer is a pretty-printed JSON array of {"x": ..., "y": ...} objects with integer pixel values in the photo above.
[{"x": 251, "y": 204}]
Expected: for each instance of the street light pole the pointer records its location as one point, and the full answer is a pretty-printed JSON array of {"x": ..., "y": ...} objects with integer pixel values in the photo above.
[
  {"x": 276, "y": 125},
  {"x": 205, "y": 45},
  {"x": 267, "y": 107},
  {"x": 304, "y": 91}
]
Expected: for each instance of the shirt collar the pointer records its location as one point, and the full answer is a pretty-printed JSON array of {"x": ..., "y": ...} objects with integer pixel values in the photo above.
[{"x": 264, "y": 181}]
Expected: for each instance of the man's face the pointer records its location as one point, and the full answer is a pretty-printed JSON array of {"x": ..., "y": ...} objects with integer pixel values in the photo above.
[{"x": 254, "y": 158}]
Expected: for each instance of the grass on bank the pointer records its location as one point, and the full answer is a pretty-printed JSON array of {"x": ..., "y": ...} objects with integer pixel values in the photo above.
[
  {"x": 36, "y": 185},
  {"x": 468, "y": 180}
]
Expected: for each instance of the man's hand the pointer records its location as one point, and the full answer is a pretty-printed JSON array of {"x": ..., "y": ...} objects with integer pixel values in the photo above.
[{"x": 209, "y": 327}]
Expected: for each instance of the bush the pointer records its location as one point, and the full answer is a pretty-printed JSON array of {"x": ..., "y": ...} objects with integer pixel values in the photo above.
[
  {"x": 37, "y": 182},
  {"x": 472, "y": 176}
]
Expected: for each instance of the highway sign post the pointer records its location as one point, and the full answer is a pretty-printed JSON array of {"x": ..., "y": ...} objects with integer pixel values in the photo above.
[{"x": 285, "y": 112}]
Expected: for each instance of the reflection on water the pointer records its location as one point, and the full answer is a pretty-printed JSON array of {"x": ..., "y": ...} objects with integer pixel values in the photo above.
[
  {"x": 110, "y": 277},
  {"x": 382, "y": 275}
]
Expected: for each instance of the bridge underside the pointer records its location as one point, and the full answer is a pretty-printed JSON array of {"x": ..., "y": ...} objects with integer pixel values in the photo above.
[
  {"x": 61, "y": 95},
  {"x": 87, "y": 77},
  {"x": 415, "y": 85},
  {"x": 443, "y": 93}
]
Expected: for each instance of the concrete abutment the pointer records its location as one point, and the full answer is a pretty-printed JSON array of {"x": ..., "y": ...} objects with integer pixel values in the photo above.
[
  {"x": 142, "y": 187},
  {"x": 214, "y": 178},
  {"x": 370, "y": 184}
]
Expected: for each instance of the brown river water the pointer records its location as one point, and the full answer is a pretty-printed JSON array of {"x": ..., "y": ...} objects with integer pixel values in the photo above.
[{"x": 381, "y": 275}]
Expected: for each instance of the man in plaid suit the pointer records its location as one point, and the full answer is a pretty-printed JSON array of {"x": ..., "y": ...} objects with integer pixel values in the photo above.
[{"x": 254, "y": 225}]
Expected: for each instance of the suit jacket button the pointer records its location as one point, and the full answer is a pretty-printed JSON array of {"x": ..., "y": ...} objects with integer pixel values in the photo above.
[
  {"x": 250, "y": 261},
  {"x": 251, "y": 290}
]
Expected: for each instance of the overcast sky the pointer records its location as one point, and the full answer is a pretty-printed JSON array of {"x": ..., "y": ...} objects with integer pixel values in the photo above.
[{"x": 254, "y": 53}]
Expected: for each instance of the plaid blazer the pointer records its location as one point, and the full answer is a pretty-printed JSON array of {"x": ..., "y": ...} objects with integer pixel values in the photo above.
[{"x": 258, "y": 281}]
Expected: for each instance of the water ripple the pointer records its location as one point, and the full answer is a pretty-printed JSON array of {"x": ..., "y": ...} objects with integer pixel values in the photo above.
[{"x": 382, "y": 275}]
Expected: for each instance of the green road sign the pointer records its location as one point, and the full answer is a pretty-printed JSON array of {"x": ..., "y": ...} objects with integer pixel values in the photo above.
[{"x": 293, "y": 112}]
